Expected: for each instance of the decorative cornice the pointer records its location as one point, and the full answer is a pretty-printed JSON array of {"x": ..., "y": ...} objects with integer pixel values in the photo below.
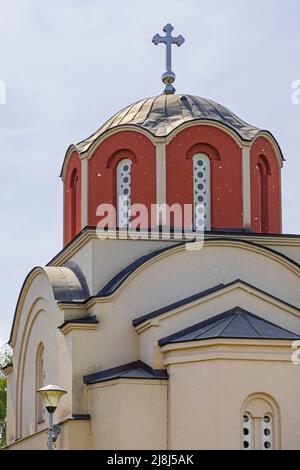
[
  {"x": 228, "y": 349},
  {"x": 74, "y": 326},
  {"x": 91, "y": 233},
  {"x": 88, "y": 323},
  {"x": 72, "y": 307}
]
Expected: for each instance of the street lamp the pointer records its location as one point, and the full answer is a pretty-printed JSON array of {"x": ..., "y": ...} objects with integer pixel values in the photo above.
[{"x": 51, "y": 394}]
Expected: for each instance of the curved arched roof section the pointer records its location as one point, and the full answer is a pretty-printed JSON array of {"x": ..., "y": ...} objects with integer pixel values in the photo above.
[
  {"x": 119, "y": 279},
  {"x": 274, "y": 143},
  {"x": 122, "y": 275},
  {"x": 160, "y": 116},
  {"x": 66, "y": 282}
]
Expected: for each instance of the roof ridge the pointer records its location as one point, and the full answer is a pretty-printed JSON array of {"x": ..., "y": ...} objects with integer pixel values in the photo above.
[
  {"x": 230, "y": 319},
  {"x": 249, "y": 323},
  {"x": 216, "y": 319},
  {"x": 218, "y": 323}
]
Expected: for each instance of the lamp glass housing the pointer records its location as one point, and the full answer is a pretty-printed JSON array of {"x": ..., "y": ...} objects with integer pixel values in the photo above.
[{"x": 51, "y": 394}]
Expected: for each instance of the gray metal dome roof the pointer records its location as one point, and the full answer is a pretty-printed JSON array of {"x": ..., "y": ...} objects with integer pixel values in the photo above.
[{"x": 160, "y": 115}]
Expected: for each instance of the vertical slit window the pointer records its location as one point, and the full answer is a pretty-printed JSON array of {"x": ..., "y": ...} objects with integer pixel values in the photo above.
[
  {"x": 40, "y": 382},
  {"x": 74, "y": 208},
  {"x": 201, "y": 169},
  {"x": 247, "y": 431},
  {"x": 263, "y": 177},
  {"x": 266, "y": 432},
  {"x": 124, "y": 193}
]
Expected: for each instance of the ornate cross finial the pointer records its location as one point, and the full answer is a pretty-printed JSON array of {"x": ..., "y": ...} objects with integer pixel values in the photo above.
[{"x": 168, "y": 77}]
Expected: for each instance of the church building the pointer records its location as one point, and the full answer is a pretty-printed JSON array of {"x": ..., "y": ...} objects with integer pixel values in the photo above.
[{"x": 163, "y": 341}]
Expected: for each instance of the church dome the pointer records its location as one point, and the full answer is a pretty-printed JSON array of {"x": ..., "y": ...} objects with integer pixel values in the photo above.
[
  {"x": 160, "y": 115},
  {"x": 239, "y": 184}
]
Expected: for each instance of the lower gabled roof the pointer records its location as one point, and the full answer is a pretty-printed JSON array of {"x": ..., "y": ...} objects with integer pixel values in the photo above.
[
  {"x": 234, "y": 323},
  {"x": 132, "y": 370}
]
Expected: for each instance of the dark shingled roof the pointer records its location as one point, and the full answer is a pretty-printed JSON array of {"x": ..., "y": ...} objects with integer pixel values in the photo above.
[
  {"x": 161, "y": 114},
  {"x": 234, "y": 323},
  {"x": 132, "y": 370}
]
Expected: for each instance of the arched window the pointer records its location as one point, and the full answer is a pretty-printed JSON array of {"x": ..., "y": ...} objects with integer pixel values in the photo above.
[
  {"x": 263, "y": 170},
  {"x": 123, "y": 193},
  {"x": 40, "y": 382},
  {"x": 259, "y": 419},
  {"x": 201, "y": 169},
  {"x": 73, "y": 199}
]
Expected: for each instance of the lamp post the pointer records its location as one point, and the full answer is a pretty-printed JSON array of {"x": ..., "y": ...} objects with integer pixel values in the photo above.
[{"x": 51, "y": 394}]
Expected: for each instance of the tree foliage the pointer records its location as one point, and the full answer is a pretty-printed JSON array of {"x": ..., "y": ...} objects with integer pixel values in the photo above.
[{"x": 5, "y": 359}]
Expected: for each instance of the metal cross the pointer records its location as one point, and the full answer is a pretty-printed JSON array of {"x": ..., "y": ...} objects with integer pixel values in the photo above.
[{"x": 168, "y": 77}]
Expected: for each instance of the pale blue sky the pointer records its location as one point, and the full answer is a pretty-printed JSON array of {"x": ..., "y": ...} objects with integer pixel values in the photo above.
[{"x": 71, "y": 64}]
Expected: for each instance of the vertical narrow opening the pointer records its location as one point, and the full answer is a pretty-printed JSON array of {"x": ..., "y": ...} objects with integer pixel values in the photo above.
[
  {"x": 40, "y": 382},
  {"x": 202, "y": 192},
  {"x": 123, "y": 193},
  {"x": 73, "y": 201},
  {"x": 247, "y": 431},
  {"x": 263, "y": 178}
]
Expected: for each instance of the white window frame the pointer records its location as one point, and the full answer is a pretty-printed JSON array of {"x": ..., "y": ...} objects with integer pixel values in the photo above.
[
  {"x": 263, "y": 425},
  {"x": 267, "y": 426},
  {"x": 247, "y": 425},
  {"x": 123, "y": 218},
  {"x": 205, "y": 192}
]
